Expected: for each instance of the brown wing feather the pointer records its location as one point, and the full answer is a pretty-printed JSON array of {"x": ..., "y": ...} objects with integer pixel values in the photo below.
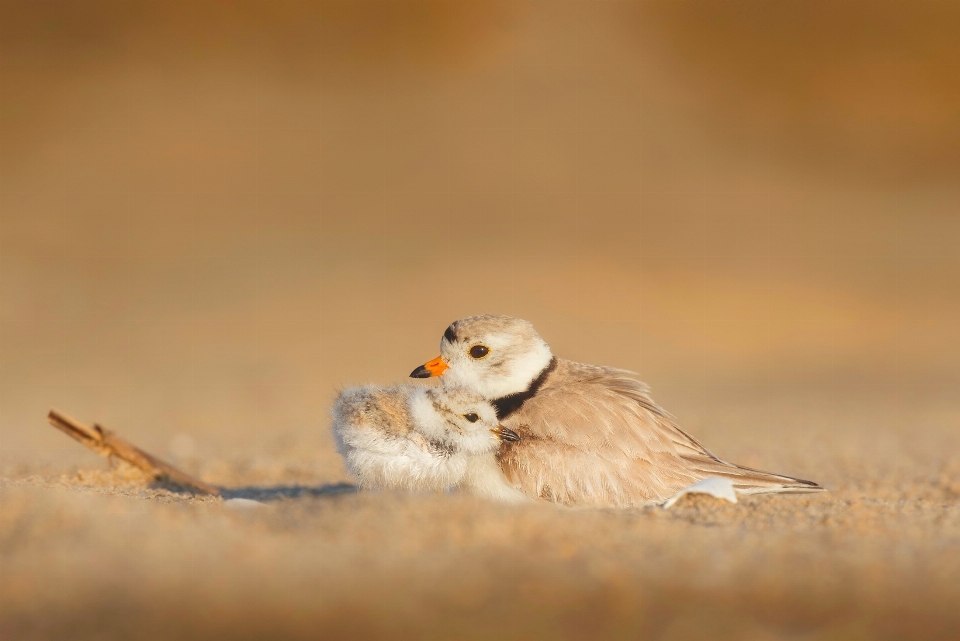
[{"x": 593, "y": 436}]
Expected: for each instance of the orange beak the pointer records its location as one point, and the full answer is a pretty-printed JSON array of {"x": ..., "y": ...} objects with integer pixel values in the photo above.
[{"x": 436, "y": 367}]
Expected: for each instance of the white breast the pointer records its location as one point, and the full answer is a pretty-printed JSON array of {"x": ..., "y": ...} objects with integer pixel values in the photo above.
[{"x": 386, "y": 461}]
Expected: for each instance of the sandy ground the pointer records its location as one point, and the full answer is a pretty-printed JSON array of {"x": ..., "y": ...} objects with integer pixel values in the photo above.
[
  {"x": 215, "y": 215},
  {"x": 96, "y": 553}
]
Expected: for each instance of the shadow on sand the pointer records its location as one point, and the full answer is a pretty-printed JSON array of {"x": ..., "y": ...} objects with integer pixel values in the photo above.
[
  {"x": 279, "y": 492},
  {"x": 263, "y": 494}
]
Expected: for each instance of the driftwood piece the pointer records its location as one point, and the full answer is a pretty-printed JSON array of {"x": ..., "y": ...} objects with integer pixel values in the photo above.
[{"x": 106, "y": 443}]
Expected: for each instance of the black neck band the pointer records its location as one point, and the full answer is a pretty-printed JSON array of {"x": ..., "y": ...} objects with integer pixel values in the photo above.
[{"x": 507, "y": 405}]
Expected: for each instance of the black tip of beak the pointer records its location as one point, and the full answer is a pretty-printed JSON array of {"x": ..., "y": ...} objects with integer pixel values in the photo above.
[
  {"x": 507, "y": 434},
  {"x": 420, "y": 372}
]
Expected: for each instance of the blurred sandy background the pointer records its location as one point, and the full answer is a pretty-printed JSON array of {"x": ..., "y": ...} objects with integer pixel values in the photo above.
[{"x": 215, "y": 214}]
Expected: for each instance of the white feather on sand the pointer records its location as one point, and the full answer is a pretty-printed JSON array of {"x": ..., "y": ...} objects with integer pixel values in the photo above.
[{"x": 720, "y": 488}]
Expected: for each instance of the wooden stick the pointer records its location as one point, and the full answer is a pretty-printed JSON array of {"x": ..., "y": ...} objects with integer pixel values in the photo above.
[{"x": 106, "y": 443}]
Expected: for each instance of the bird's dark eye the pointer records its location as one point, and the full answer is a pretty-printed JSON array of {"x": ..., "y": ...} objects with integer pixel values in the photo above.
[
  {"x": 473, "y": 418},
  {"x": 479, "y": 351}
]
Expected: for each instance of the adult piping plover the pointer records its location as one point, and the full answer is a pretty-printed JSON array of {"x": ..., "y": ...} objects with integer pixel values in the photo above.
[
  {"x": 410, "y": 437},
  {"x": 589, "y": 435}
]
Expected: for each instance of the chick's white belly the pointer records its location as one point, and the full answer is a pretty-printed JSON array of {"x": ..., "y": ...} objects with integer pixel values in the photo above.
[{"x": 382, "y": 461}]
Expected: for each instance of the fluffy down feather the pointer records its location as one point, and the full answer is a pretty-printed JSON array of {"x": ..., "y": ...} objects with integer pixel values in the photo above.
[{"x": 412, "y": 438}]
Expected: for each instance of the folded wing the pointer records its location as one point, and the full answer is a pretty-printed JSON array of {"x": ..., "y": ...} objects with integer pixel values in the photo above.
[{"x": 593, "y": 436}]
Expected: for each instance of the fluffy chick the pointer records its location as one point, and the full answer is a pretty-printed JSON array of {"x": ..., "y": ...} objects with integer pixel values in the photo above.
[{"x": 422, "y": 439}]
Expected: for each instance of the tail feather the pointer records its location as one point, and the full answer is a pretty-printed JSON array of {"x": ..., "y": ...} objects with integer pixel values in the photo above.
[{"x": 747, "y": 480}]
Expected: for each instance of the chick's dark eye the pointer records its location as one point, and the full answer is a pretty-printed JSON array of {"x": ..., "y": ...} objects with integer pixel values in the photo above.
[
  {"x": 473, "y": 418},
  {"x": 479, "y": 351}
]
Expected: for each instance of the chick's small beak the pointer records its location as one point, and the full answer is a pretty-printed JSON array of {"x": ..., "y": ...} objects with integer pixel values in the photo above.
[
  {"x": 505, "y": 434},
  {"x": 436, "y": 367}
]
